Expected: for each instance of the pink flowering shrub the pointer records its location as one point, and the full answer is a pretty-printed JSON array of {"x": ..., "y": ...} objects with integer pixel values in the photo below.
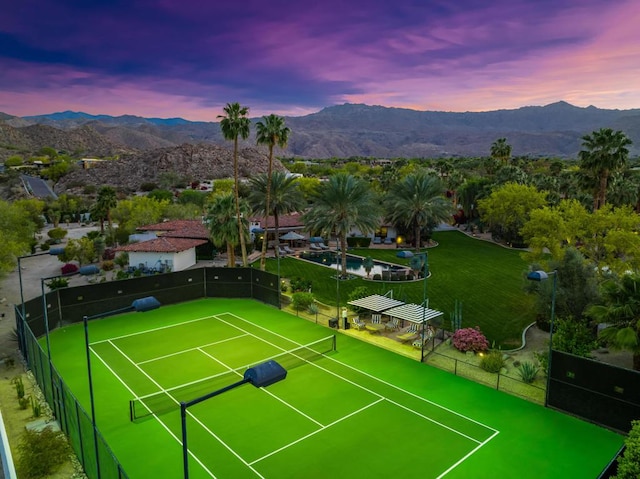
[
  {"x": 69, "y": 268},
  {"x": 470, "y": 339}
]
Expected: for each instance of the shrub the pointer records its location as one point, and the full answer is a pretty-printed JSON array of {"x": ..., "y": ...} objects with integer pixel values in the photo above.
[
  {"x": 302, "y": 301},
  {"x": 470, "y": 339},
  {"x": 56, "y": 234},
  {"x": 57, "y": 283},
  {"x": 543, "y": 359},
  {"x": 19, "y": 385},
  {"x": 45, "y": 247},
  {"x": 300, "y": 284},
  {"x": 492, "y": 362},
  {"x": 41, "y": 453},
  {"x": 313, "y": 308},
  {"x": 69, "y": 268},
  {"x": 147, "y": 187},
  {"x": 629, "y": 462},
  {"x": 108, "y": 265},
  {"x": 528, "y": 372},
  {"x": 122, "y": 274}
]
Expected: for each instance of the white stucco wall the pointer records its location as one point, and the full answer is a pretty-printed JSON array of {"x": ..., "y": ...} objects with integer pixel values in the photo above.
[{"x": 177, "y": 261}]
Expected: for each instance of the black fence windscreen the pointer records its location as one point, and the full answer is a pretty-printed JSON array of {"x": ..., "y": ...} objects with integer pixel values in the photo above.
[
  {"x": 70, "y": 305},
  {"x": 597, "y": 392}
]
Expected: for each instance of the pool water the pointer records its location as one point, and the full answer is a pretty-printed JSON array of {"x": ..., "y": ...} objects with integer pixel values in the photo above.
[{"x": 331, "y": 259}]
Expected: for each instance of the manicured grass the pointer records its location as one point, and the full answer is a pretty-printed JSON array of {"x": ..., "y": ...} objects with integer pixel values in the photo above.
[
  {"x": 360, "y": 412},
  {"x": 486, "y": 278}
]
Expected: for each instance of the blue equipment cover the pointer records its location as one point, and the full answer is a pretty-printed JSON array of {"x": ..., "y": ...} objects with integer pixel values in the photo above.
[{"x": 265, "y": 374}]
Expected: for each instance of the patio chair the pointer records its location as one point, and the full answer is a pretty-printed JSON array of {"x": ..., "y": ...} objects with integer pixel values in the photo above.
[
  {"x": 357, "y": 324},
  {"x": 393, "y": 324},
  {"x": 387, "y": 241},
  {"x": 377, "y": 240},
  {"x": 409, "y": 333}
]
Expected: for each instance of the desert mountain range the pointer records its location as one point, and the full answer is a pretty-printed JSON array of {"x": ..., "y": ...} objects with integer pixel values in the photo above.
[{"x": 342, "y": 131}]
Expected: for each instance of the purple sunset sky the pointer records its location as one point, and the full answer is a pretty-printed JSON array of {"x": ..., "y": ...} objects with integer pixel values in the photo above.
[{"x": 188, "y": 58}]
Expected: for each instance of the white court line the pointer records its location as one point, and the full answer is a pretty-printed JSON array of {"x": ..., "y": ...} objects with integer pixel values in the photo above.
[
  {"x": 153, "y": 414},
  {"x": 286, "y": 446},
  {"x": 197, "y": 348},
  {"x": 353, "y": 383},
  {"x": 152, "y": 330},
  {"x": 190, "y": 414},
  {"x": 263, "y": 389},
  {"x": 367, "y": 374},
  {"x": 470, "y": 453}
]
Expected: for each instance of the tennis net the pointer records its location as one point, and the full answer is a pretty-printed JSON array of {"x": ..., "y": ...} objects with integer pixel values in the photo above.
[{"x": 170, "y": 399}]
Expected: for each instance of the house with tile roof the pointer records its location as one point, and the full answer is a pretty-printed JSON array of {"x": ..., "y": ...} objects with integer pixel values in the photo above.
[{"x": 163, "y": 253}]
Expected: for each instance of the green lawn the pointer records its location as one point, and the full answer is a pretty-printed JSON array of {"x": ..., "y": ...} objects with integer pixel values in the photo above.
[
  {"x": 359, "y": 412},
  {"x": 486, "y": 278}
]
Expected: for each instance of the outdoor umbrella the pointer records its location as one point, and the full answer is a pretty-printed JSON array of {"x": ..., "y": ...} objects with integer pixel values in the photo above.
[{"x": 292, "y": 236}]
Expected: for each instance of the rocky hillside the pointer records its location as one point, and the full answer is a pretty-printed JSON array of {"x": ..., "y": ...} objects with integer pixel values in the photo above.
[
  {"x": 29, "y": 139},
  {"x": 554, "y": 130},
  {"x": 193, "y": 162}
]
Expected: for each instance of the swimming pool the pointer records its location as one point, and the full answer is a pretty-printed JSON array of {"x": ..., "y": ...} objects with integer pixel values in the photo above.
[{"x": 331, "y": 259}]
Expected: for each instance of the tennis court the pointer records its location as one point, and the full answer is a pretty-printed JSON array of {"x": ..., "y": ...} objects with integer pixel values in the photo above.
[{"x": 348, "y": 411}]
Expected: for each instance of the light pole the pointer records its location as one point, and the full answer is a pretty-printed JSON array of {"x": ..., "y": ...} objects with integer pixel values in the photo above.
[
  {"x": 540, "y": 276},
  {"x": 51, "y": 252},
  {"x": 140, "y": 305},
  {"x": 420, "y": 262}
]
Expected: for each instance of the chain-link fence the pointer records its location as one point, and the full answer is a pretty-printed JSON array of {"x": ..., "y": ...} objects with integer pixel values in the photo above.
[{"x": 70, "y": 305}]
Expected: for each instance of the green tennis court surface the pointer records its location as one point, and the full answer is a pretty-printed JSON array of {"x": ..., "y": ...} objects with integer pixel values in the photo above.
[{"x": 358, "y": 411}]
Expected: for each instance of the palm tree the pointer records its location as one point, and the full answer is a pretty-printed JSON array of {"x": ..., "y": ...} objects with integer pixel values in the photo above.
[
  {"x": 342, "y": 203},
  {"x": 105, "y": 202},
  {"x": 416, "y": 202},
  {"x": 604, "y": 153},
  {"x": 233, "y": 125},
  {"x": 286, "y": 197},
  {"x": 271, "y": 133},
  {"x": 501, "y": 150},
  {"x": 621, "y": 313},
  {"x": 221, "y": 219}
]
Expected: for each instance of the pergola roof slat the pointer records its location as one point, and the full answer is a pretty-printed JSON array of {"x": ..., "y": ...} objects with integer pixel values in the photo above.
[
  {"x": 376, "y": 303},
  {"x": 414, "y": 313}
]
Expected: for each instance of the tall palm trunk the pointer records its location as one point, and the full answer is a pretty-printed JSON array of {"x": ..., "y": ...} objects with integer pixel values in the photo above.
[
  {"x": 267, "y": 212},
  {"x": 231, "y": 256},
  {"x": 243, "y": 245},
  {"x": 602, "y": 192},
  {"x": 418, "y": 238}
]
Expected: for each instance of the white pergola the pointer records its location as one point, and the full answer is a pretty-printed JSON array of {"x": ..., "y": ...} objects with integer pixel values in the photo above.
[
  {"x": 376, "y": 303},
  {"x": 414, "y": 313}
]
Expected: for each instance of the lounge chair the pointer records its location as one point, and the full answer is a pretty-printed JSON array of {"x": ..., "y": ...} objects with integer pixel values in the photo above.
[
  {"x": 387, "y": 241},
  {"x": 282, "y": 252},
  {"x": 287, "y": 250},
  {"x": 377, "y": 240},
  {"x": 409, "y": 333},
  {"x": 393, "y": 324},
  {"x": 357, "y": 324},
  {"x": 428, "y": 334},
  {"x": 315, "y": 247},
  {"x": 323, "y": 246}
]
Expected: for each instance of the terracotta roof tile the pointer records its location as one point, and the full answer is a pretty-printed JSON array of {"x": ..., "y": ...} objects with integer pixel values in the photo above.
[
  {"x": 179, "y": 229},
  {"x": 162, "y": 245}
]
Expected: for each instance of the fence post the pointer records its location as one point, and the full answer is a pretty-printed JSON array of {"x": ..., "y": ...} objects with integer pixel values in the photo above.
[{"x": 498, "y": 382}]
